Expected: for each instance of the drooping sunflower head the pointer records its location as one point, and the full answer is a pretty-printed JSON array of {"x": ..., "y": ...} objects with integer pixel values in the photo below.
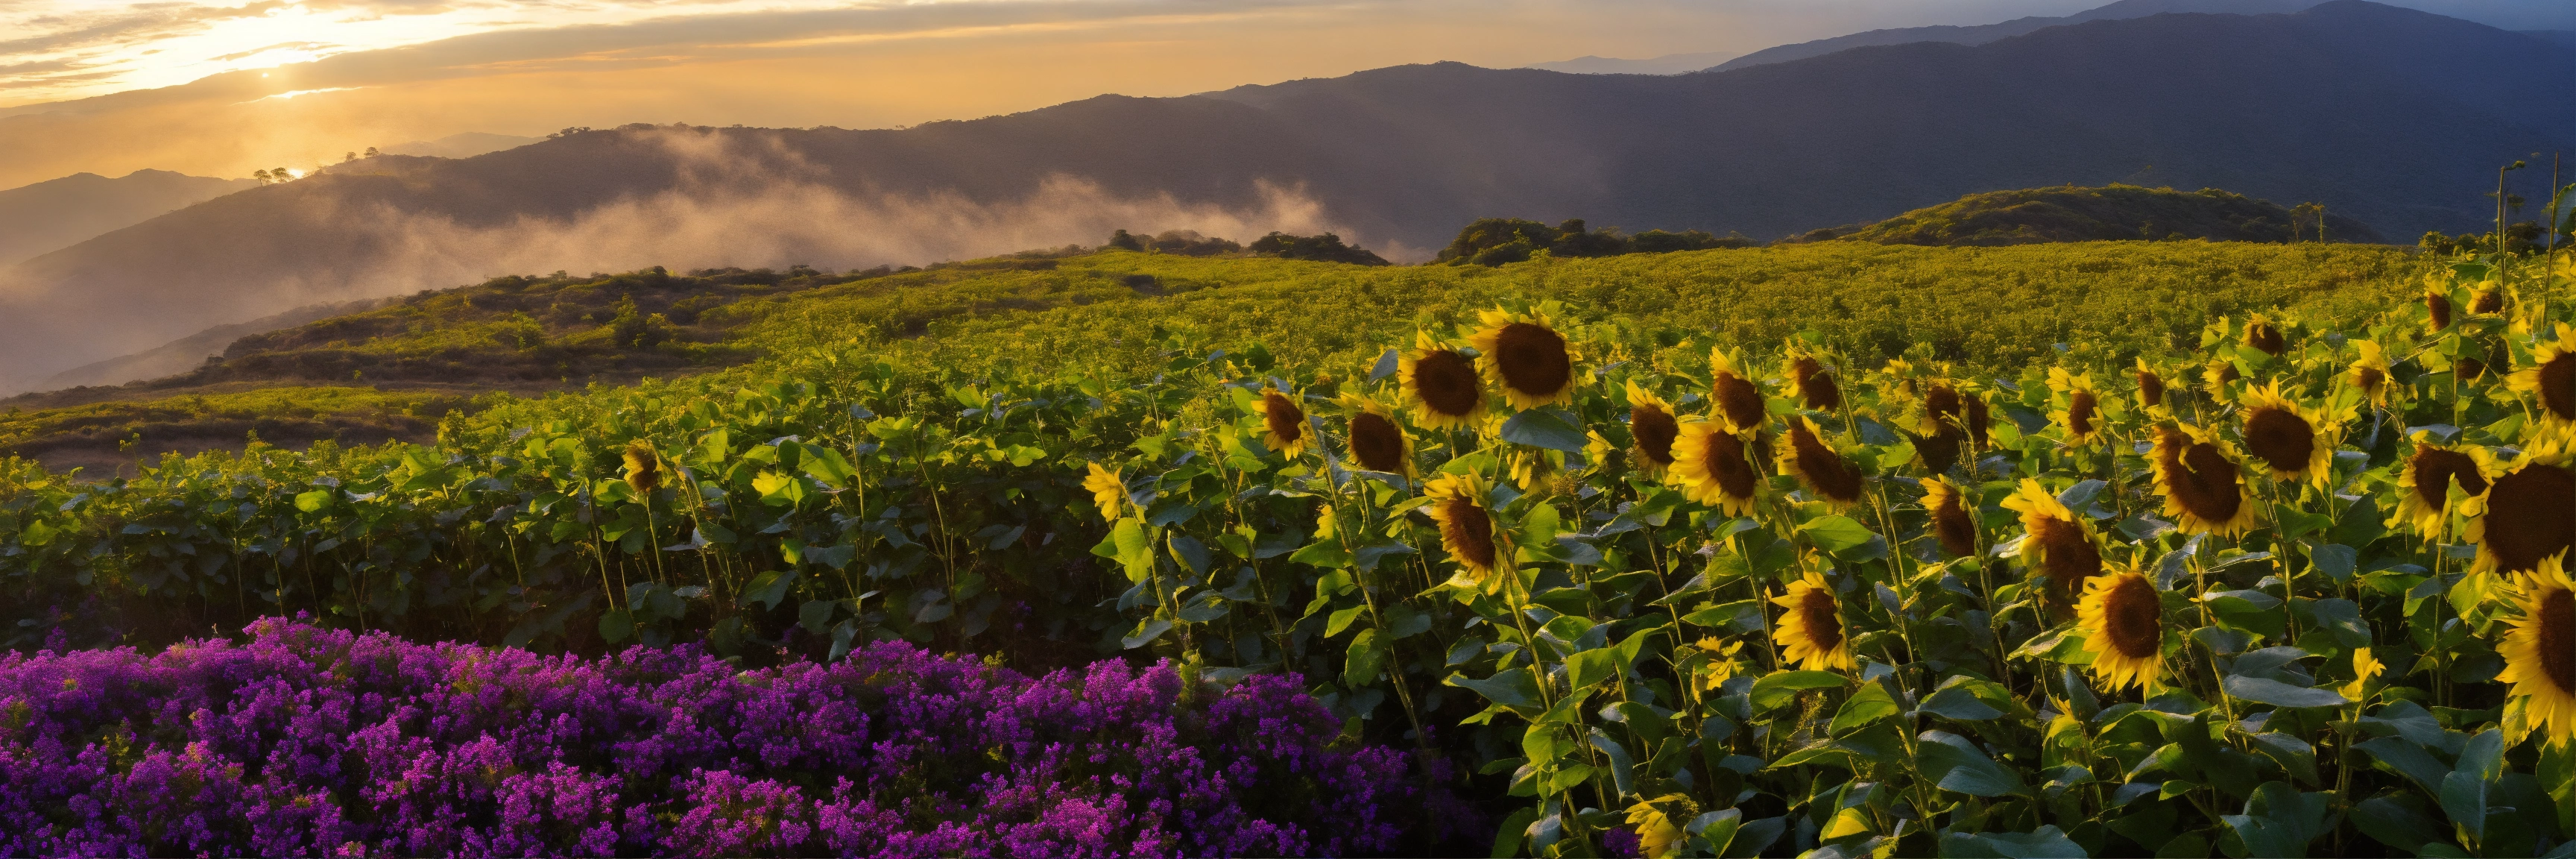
[
  {"x": 2265, "y": 335},
  {"x": 1442, "y": 385},
  {"x": 2529, "y": 513},
  {"x": 2424, "y": 485},
  {"x": 2551, "y": 379},
  {"x": 2079, "y": 406},
  {"x": 1107, "y": 491},
  {"x": 2151, "y": 386},
  {"x": 643, "y": 467},
  {"x": 1467, "y": 529},
  {"x": 1820, "y": 468},
  {"x": 2198, "y": 474},
  {"x": 1952, "y": 525},
  {"x": 1377, "y": 441},
  {"x": 2540, "y": 651},
  {"x": 1715, "y": 467},
  {"x": 2061, "y": 546},
  {"x": 1739, "y": 400},
  {"x": 2220, "y": 378},
  {"x": 1811, "y": 631},
  {"x": 1525, "y": 358},
  {"x": 1978, "y": 417},
  {"x": 1653, "y": 425},
  {"x": 2486, "y": 301},
  {"x": 1811, "y": 382},
  {"x": 2468, "y": 368},
  {"x": 1941, "y": 430},
  {"x": 1283, "y": 422},
  {"x": 2369, "y": 373},
  {"x": 2294, "y": 442},
  {"x": 2437, "y": 308},
  {"x": 2122, "y": 616}
]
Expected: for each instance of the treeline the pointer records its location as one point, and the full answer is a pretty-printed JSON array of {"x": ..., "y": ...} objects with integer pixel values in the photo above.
[{"x": 1488, "y": 241}]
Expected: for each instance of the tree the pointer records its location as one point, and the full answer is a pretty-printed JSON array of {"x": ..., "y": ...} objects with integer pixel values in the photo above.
[
  {"x": 1323, "y": 248},
  {"x": 371, "y": 152},
  {"x": 1121, "y": 239},
  {"x": 261, "y": 175},
  {"x": 351, "y": 156}
]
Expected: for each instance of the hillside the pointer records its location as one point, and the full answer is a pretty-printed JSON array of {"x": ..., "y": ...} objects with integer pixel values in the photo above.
[
  {"x": 48, "y": 216},
  {"x": 1978, "y": 34},
  {"x": 2385, "y": 115},
  {"x": 2114, "y": 212}
]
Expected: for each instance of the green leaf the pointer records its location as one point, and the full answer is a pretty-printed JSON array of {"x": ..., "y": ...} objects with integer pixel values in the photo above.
[
  {"x": 2395, "y": 821},
  {"x": 1835, "y": 533},
  {"x": 1146, "y": 631},
  {"x": 1323, "y": 553},
  {"x": 2296, "y": 523},
  {"x": 827, "y": 465},
  {"x": 1515, "y": 828},
  {"x": 2293, "y": 754},
  {"x": 1623, "y": 767},
  {"x": 1780, "y": 687},
  {"x": 2047, "y": 842},
  {"x": 1367, "y": 657},
  {"x": 1341, "y": 620},
  {"x": 1955, "y": 764},
  {"x": 767, "y": 589},
  {"x": 2280, "y": 821},
  {"x": 616, "y": 625},
  {"x": 309, "y": 502},
  {"x": 1135, "y": 549},
  {"x": 1867, "y": 706},
  {"x": 816, "y": 615},
  {"x": 1514, "y": 688},
  {"x": 1552, "y": 429},
  {"x": 1960, "y": 703},
  {"x": 1592, "y": 667},
  {"x": 2465, "y": 790},
  {"x": 2276, "y": 693},
  {"x": 1742, "y": 617},
  {"x": 2409, "y": 760}
]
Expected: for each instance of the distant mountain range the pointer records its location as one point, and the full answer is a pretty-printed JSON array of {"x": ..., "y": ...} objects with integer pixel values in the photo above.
[
  {"x": 52, "y": 215},
  {"x": 466, "y": 145},
  {"x": 1668, "y": 64},
  {"x": 1981, "y": 34},
  {"x": 2392, "y": 117}
]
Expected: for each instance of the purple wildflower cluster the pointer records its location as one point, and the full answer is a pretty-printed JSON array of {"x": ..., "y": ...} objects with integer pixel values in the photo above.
[{"x": 307, "y": 741}]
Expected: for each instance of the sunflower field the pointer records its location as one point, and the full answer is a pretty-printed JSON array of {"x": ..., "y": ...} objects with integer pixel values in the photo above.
[{"x": 2295, "y": 585}]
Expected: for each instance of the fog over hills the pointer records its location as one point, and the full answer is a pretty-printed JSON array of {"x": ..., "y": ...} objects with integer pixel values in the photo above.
[
  {"x": 2392, "y": 117},
  {"x": 55, "y": 214}
]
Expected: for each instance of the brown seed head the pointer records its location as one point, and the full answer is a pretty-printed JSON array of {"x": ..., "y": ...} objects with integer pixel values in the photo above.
[
  {"x": 1377, "y": 442},
  {"x": 1818, "y": 386},
  {"x": 1468, "y": 532},
  {"x": 2531, "y": 515},
  {"x": 1282, "y": 416},
  {"x": 2469, "y": 368},
  {"x": 2204, "y": 482},
  {"x": 1957, "y": 531},
  {"x": 2438, "y": 306},
  {"x": 2280, "y": 438},
  {"x": 2265, "y": 336},
  {"x": 2066, "y": 557},
  {"x": 2079, "y": 412},
  {"x": 1740, "y": 400},
  {"x": 2558, "y": 386},
  {"x": 643, "y": 468},
  {"x": 1939, "y": 450},
  {"x": 2151, "y": 388},
  {"x": 2370, "y": 378},
  {"x": 1823, "y": 621},
  {"x": 2557, "y": 618},
  {"x": 2487, "y": 301},
  {"x": 2133, "y": 618},
  {"x": 1532, "y": 359},
  {"x": 1826, "y": 472},
  {"x": 1941, "y": 404},
  {"x": 1978, "y": 421},
  {"x": 2436, "y": 469},
  {"x": 1726, "y": 462},
  {"x": 1654, "y": 430},
  {"x": 1447, "y": 383}
]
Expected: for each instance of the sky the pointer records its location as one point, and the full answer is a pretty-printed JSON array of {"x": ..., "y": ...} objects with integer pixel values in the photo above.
[{"x": 223, "y": 88}]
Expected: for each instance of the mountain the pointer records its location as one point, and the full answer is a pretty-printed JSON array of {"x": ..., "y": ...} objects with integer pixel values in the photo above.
[
  {"x": 187, "y": 353},
  {"x": 1668, "y": 64},
  {"x": 466, "y": 145},
  {"x": 2385, "y": 115},
  {"x": 59, "y": 213},
  {"x": 2072, "y": 214}
]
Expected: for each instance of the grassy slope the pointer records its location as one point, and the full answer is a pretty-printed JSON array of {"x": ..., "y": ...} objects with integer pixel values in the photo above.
[
  {"x": 1993, "y": 308},
  {"x": 2072, "y": 214}
]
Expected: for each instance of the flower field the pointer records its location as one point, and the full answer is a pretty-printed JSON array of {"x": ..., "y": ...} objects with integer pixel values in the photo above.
[{"x": 2293, "y": 583}]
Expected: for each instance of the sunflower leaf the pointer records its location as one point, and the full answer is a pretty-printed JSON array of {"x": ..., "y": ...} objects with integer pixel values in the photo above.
[
  {"x": 1955, "y": 764},
  {"x": 1780, "y": 687},
  {"x": 1552, "y": 429},
  {"x": 2263, "y": 690}
]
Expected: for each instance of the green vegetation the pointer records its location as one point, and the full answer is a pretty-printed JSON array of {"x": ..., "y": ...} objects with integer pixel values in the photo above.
[
  {"x": 115, "y": 432},
  {"x": 2111, "y": 212},
  {"x": 1498, "y": 241}
]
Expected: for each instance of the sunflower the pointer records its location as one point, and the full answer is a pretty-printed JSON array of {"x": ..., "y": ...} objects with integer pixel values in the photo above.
[
  {"x": 1652, "y": 425},
  {"x": 1377, "y": 441},
  {"x": 1951, "y": 522},
  {"x": 1106, "y": 490},
  {"x": 2219, "y": 377},
  {"x": 2425, "y": 484},
  {"x": 1720, "y": 666},
  {"x": 2295, "y": 442},
  {"x": 1810, "y": 632},
  {"x": 1467, "y": 532},
  {"x": 2082, "y": 414},
  {"x": 1811, "y": 383},
  {"x": 2486, "y": 301},
  {"x": 2151, "y": 386},
  {"x": 2437, "y": 308},
  {"x": 2197, "y": 472},
  {"x": 1710, "y": 465},
  {"x": 2265, "y": 335},
  {"x": 2529, "y": 513},
  {"x": 2365, "y": 667},
  {"x": 2061, "y": 545},
  {"x": 1819, "y": 467},
  {"x": 2468, "y": 369},
  {"x": 2552, "y": 379},
  {"x": 2124, "y": 628},
  {"x": 1978, "y": 418},
  {"x": 1739, "y": 401},
  {"x": 1525, "y": 358},
  {"x": 643, "y": 467},
  {"x": 1283, "y": 423},
  {"x": 1441, "y": 384},
  {"x": 2540, "y": 651},
  {"x": 1939, "y": 432},
  {"x": 2369, "y": 373}
]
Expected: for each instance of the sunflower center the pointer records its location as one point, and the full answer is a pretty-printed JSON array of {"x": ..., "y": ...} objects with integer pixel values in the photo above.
[
  {"x": 2439, "y": 307},
  {"x": 1824, "y": 624},
  {"x": 1654, "y": 430},
  {"x": 1446, "y": 381},
  {"x": 1467, "y": 532},
  {"x": 1739, "y": 399},
  {"x": 1818, "y": 388},
  {"x": 1727, "y": 464},
  {"x": 2151, "y": 390},
  {"x": 1377, "y": 442},
  {"x": 1950, "y": 522},
  {"x": 2531, "y": 515},
  {"x": 2133, "y": 618},
  {"x": 1532, "y": 359},
  {"x": 2280, "y": 438},
  {"x": 1941, "y": 449},
  {"x": 2435, "y": 469},
  {"x": 1941, "y": 404},
  {"x": 2227, "y": 373},
  {"x": 2065, "y": 556},
  {"x": 1824, "y": 469},
  {"x": 2371, "y": 378},
  {"x": 2079, "y": 413},
  {"x": 2558, "y": 385},
  {"x": 2266, "y": 338},
  {"x": 2556, "y": 615},
  {"x": 2469, "y": 368},
  {"x": 1282, "y": 417},
  {"x": 1978, "y": 420},
  {"x": 2488, "y": 301},
  {"x": 2201, "y": 478}
]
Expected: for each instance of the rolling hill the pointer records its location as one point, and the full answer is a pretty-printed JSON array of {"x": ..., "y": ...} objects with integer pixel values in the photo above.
[
  {"x": 2072, "y": 214},
  {"x": 2389, "y": 116},
  {"x": 51, "y": 215}
]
